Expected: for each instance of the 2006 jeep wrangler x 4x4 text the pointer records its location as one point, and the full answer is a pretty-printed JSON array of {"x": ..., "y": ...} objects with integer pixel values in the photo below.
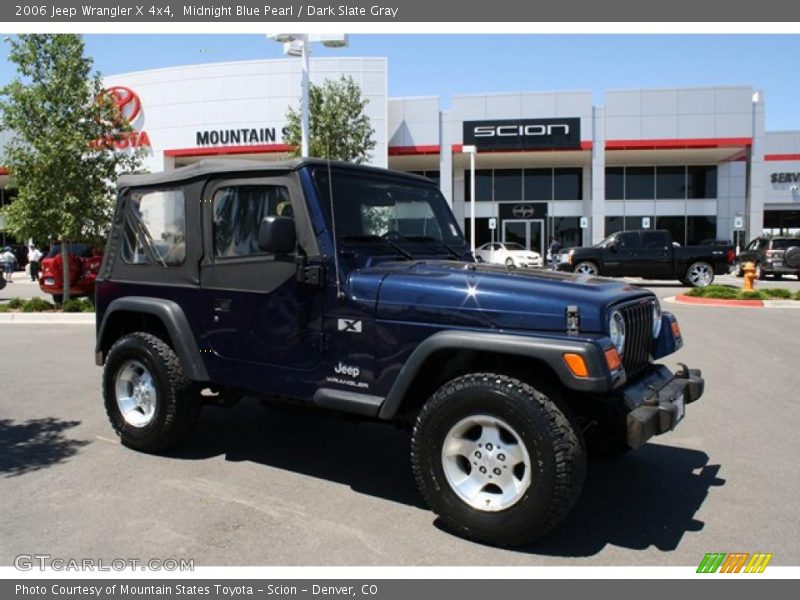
[{"x": 351, "y": 289}]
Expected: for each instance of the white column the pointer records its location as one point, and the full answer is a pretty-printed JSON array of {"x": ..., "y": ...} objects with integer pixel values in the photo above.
[
  {"x": 597, "y": 199},
  {"x": 754, "y": 202}
]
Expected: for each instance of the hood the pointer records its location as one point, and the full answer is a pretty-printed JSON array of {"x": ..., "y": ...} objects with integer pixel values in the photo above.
[{"x": 461, "y": 294}]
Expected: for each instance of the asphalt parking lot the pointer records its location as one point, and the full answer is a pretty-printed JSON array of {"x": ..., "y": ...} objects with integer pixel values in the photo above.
[{"x": 265, "y": 486}]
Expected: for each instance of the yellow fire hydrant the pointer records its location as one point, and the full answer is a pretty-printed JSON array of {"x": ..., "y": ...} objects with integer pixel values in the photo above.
[{"x": 749, "y": 270}]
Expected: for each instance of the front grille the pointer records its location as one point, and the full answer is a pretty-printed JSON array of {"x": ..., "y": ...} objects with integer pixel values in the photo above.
[{"x": 638, "y": 335}]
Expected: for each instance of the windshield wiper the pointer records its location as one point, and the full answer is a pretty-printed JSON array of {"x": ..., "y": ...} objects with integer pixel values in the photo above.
[
  {"x": 427, "y": 238},
  {"x": 377, "y": 238}
]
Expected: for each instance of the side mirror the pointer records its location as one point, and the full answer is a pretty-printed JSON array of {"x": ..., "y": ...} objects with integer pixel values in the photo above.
[{"x": 276, "y": 235}]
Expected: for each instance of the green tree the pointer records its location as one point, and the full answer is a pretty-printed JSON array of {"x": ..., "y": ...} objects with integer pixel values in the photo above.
[
  {"x": 338, "y": 127},
  {"x": 61, "y": 158}
]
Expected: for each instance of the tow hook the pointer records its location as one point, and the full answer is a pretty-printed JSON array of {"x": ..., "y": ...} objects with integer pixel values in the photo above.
[{"x": 695, "y": 385}]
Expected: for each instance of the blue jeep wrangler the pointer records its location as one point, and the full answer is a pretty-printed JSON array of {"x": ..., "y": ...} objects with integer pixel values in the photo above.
[{"x": 351, "y": 289}]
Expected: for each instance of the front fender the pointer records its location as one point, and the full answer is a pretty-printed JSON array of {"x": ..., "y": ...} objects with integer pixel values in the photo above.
[{"x": 548, "y": 350}]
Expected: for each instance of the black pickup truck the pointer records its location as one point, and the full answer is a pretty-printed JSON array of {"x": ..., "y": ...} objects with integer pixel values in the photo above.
[{"x": 649, "y": 254}]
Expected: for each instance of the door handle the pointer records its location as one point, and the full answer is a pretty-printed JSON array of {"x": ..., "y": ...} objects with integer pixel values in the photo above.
[{"x": 222, "y": 305}]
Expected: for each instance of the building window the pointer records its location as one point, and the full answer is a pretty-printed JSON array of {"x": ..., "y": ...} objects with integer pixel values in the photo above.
[
  {"x": 567, "y": 230},
  {"x": 637, "y": 222},
  {"x": 238, "y": 212},
  {"x": 782, "y": 222},
  {"x": 663, "y": 183},
  {"x": 615, "y": 183},
  {"x": 702, "y": 182},
  {"x": 699, "y": 229},
  {"x": 483, "y": 184},
  {"x": 538, "y": 184},
  {"x": 614, "y": 224},
  {"x": 483, "y": 234},
  {"x": 568, "y": 184},
  {"x": 670, "y": 182},
  {"x": 429, "y": 174},
  {"x": 507, "y": 184},
  {"x": 639, "y": 183},
  {"x": 155, "y": 228},
  {"x": 675, "y": 225}
]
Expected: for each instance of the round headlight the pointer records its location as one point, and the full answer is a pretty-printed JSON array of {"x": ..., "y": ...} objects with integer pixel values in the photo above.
[
  {"x": 656, "y": 318},
  {"x": 616, "y": 331}
]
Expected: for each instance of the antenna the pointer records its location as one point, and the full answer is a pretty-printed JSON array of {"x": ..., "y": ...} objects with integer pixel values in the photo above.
[{"x": 339, "y": 293}]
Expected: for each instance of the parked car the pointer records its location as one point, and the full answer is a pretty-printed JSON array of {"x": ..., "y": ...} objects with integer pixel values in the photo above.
[
  {"x": 649, "y": 254},
  {"x": 509, "y": 254},
  {"x": 773, "y": 257},
  {"x": 84, "y": 264},
  {"x": 365, "y": 301}
]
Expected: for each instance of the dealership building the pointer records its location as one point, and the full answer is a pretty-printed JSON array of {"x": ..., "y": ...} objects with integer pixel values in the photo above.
[{"x": 696, "y": 161}]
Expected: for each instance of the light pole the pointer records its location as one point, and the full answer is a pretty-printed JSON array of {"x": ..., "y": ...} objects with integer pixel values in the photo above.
[
  {"x": 472, "y": 151},
  {"x": 299, "y": 44}
]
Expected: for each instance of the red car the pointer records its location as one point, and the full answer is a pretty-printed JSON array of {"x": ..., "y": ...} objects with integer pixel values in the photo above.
[{"x": 84, "y": 264}]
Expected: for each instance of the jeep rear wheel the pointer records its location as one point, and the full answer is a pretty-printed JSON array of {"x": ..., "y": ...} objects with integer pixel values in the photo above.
[
  {"x": 496, "y": 459},
  {"x": 149, "y": 400}
]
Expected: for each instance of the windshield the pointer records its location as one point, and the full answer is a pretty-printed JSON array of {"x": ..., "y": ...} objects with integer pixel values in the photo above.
[
  {"x": 373, "y": 207},
  {"x": 606, "y": 242}
]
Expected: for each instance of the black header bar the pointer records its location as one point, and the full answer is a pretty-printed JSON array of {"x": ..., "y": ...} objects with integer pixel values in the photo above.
[{"x": 398, "y": 11}]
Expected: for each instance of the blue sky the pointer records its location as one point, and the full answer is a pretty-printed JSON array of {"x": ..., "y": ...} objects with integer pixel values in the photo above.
[{"x": 445, "y": 65}]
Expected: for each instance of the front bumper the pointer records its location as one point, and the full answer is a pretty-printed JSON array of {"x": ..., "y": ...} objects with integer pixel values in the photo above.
[{"x": 657, "y": 402}]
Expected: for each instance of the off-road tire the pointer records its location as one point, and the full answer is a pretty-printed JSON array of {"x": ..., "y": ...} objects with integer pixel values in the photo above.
[
  {"x": 555, "y": 447},
  {"x": 178, "y": 406}
]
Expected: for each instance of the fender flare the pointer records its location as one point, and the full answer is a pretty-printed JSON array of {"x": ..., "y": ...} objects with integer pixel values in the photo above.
[
  {"x": 175, "y": 322},
  {"x": 547, "y": 350}
]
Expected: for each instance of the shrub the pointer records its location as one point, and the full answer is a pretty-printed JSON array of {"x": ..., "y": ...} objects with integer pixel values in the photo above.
[
  {"x": 781, "y": 293},
  {"x": 4, "y": 308},
  {"x": 37, "y": 305},
  {"x": 797, "y": 296},
  {"x": 75, "y": 305},
  {"x": 15, "y": 303},
  {"x": 753, "y": 295},
  {"x": 714, "y": 291}
]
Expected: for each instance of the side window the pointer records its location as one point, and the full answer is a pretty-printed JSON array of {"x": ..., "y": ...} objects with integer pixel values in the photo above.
[
  {"x": 654, "y": 239},
  {"x": 629, "y": 239},
  {"x": 238, "y": 212},
  {"x": 155, "y": 228}
]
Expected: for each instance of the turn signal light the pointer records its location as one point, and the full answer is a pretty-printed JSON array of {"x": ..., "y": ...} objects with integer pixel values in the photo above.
[
  {"x": 612, "y": 359},
  {"x": 676, "y": 329},
  {"x": 576, "y": 364}
]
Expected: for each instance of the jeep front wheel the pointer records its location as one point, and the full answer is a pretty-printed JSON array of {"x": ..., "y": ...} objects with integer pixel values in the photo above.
[
  {"x": 151, "y": 404},
  {"x": 496, "y": 459}
]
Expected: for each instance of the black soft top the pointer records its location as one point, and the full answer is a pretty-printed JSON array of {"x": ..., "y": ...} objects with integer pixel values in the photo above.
[{"x": 208, "y": 167}]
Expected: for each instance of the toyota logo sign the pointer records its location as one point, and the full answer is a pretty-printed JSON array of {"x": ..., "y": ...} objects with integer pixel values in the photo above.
[
  {"x": 523, "y": 211},
  {"x": 127, "y": 102}
]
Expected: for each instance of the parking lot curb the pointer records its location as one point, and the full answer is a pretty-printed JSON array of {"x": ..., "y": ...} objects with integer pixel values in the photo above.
[
  {"x": 683, "y": 299},
  {"x": 47, "y": 318}
]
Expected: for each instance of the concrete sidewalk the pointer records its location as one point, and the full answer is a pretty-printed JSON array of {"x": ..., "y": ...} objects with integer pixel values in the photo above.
[{"x": 47, "y": 318}]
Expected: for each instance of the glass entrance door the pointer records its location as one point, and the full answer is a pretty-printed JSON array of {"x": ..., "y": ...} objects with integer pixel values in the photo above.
[{"x": 527, "y": 232}]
